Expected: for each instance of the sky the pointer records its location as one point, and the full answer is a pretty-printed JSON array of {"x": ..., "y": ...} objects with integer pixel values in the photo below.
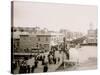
[{"x": 54, "y": 16}]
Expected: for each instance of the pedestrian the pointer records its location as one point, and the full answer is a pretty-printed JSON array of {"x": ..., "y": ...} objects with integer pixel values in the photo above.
[
  {"x": 13, "y": 67},
  {"x": 54, "y": 60},
  {"x": 24, "y": 68},
  {"x": 40, "y": 57},
  {"x": 45, "y": 69},
  {"x": 46, "y": 59},
  {"x": 49, "y": 59},
  {"x": 32, "y": 69},
  {"x": 21, "y": 68},
  {"x": 43, "y": 60},
  {"x": 28, "y": 68},
  {"x": 36, "y": 63},
  {"x": 58, "y": 59},
  {"x": 68, "y": 57},
  {"x": 30, "y": 62}
]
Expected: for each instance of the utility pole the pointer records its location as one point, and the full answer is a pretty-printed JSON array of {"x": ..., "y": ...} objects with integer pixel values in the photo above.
[
  {"x": 38, "y": 49},
  {"x": 64, "y": 51},
  {"x": 64, "y": 45}
]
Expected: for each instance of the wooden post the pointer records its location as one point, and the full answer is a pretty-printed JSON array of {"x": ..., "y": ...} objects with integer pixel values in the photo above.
[{"x": 64, "y": 39}]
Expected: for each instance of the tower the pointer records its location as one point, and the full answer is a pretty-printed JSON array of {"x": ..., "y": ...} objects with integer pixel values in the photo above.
[{"x": 91, "y": 26}]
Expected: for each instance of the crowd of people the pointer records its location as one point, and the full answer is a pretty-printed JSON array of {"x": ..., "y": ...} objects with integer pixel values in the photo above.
[{"x": 30, "y": 63}]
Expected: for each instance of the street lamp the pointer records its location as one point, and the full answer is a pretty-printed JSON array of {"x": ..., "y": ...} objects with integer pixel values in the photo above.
[
  {"x": 64, "y": 40},
  {"x": 64, "y": 51},
  {"x": 38, "y": 48}
]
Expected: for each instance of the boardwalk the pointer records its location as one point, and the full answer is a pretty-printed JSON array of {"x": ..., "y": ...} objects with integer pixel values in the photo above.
[
  {"x": 39, "y": 69},
  {"x": 87, "y": 56}
]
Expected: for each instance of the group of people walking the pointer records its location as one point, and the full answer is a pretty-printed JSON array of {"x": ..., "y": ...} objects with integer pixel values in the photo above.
[
  {"x": 29, "y": 65},
  {"x": 25, "y": 68}
]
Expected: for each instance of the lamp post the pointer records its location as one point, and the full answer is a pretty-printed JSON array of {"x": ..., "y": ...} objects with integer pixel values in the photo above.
[
  {"x": 64, "y": 51},
  {"x": 64, "y": 40},
  {"x": 38, "y": 48}
]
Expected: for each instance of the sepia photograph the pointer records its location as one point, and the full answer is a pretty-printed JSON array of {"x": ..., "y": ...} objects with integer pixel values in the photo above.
[{"x": 53, "y": 37}]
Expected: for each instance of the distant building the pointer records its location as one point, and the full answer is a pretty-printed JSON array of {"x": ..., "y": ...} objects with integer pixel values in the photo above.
[
  {"x": 34, "y": 42},
  {"x": 92, "y": 36},
  {"x": 77, "y": 35},
  {"x": 24, "y": 41},
  {"x": 71, "y": 35},
  {"x": 45, "y": 41},
  {"x": 68, "y": 35},
  {"x": 16, "y": 41}
]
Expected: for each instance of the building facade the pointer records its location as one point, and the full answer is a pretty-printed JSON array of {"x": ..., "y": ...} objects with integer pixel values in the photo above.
[
  {"x": 92, "y": 36},
  {"x": 34, "y": 42}
]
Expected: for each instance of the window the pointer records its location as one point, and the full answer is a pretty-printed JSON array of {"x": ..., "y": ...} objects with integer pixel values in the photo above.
[
  {"x": 46, "y": 38},
  {"x": 38, "y": 39}
]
